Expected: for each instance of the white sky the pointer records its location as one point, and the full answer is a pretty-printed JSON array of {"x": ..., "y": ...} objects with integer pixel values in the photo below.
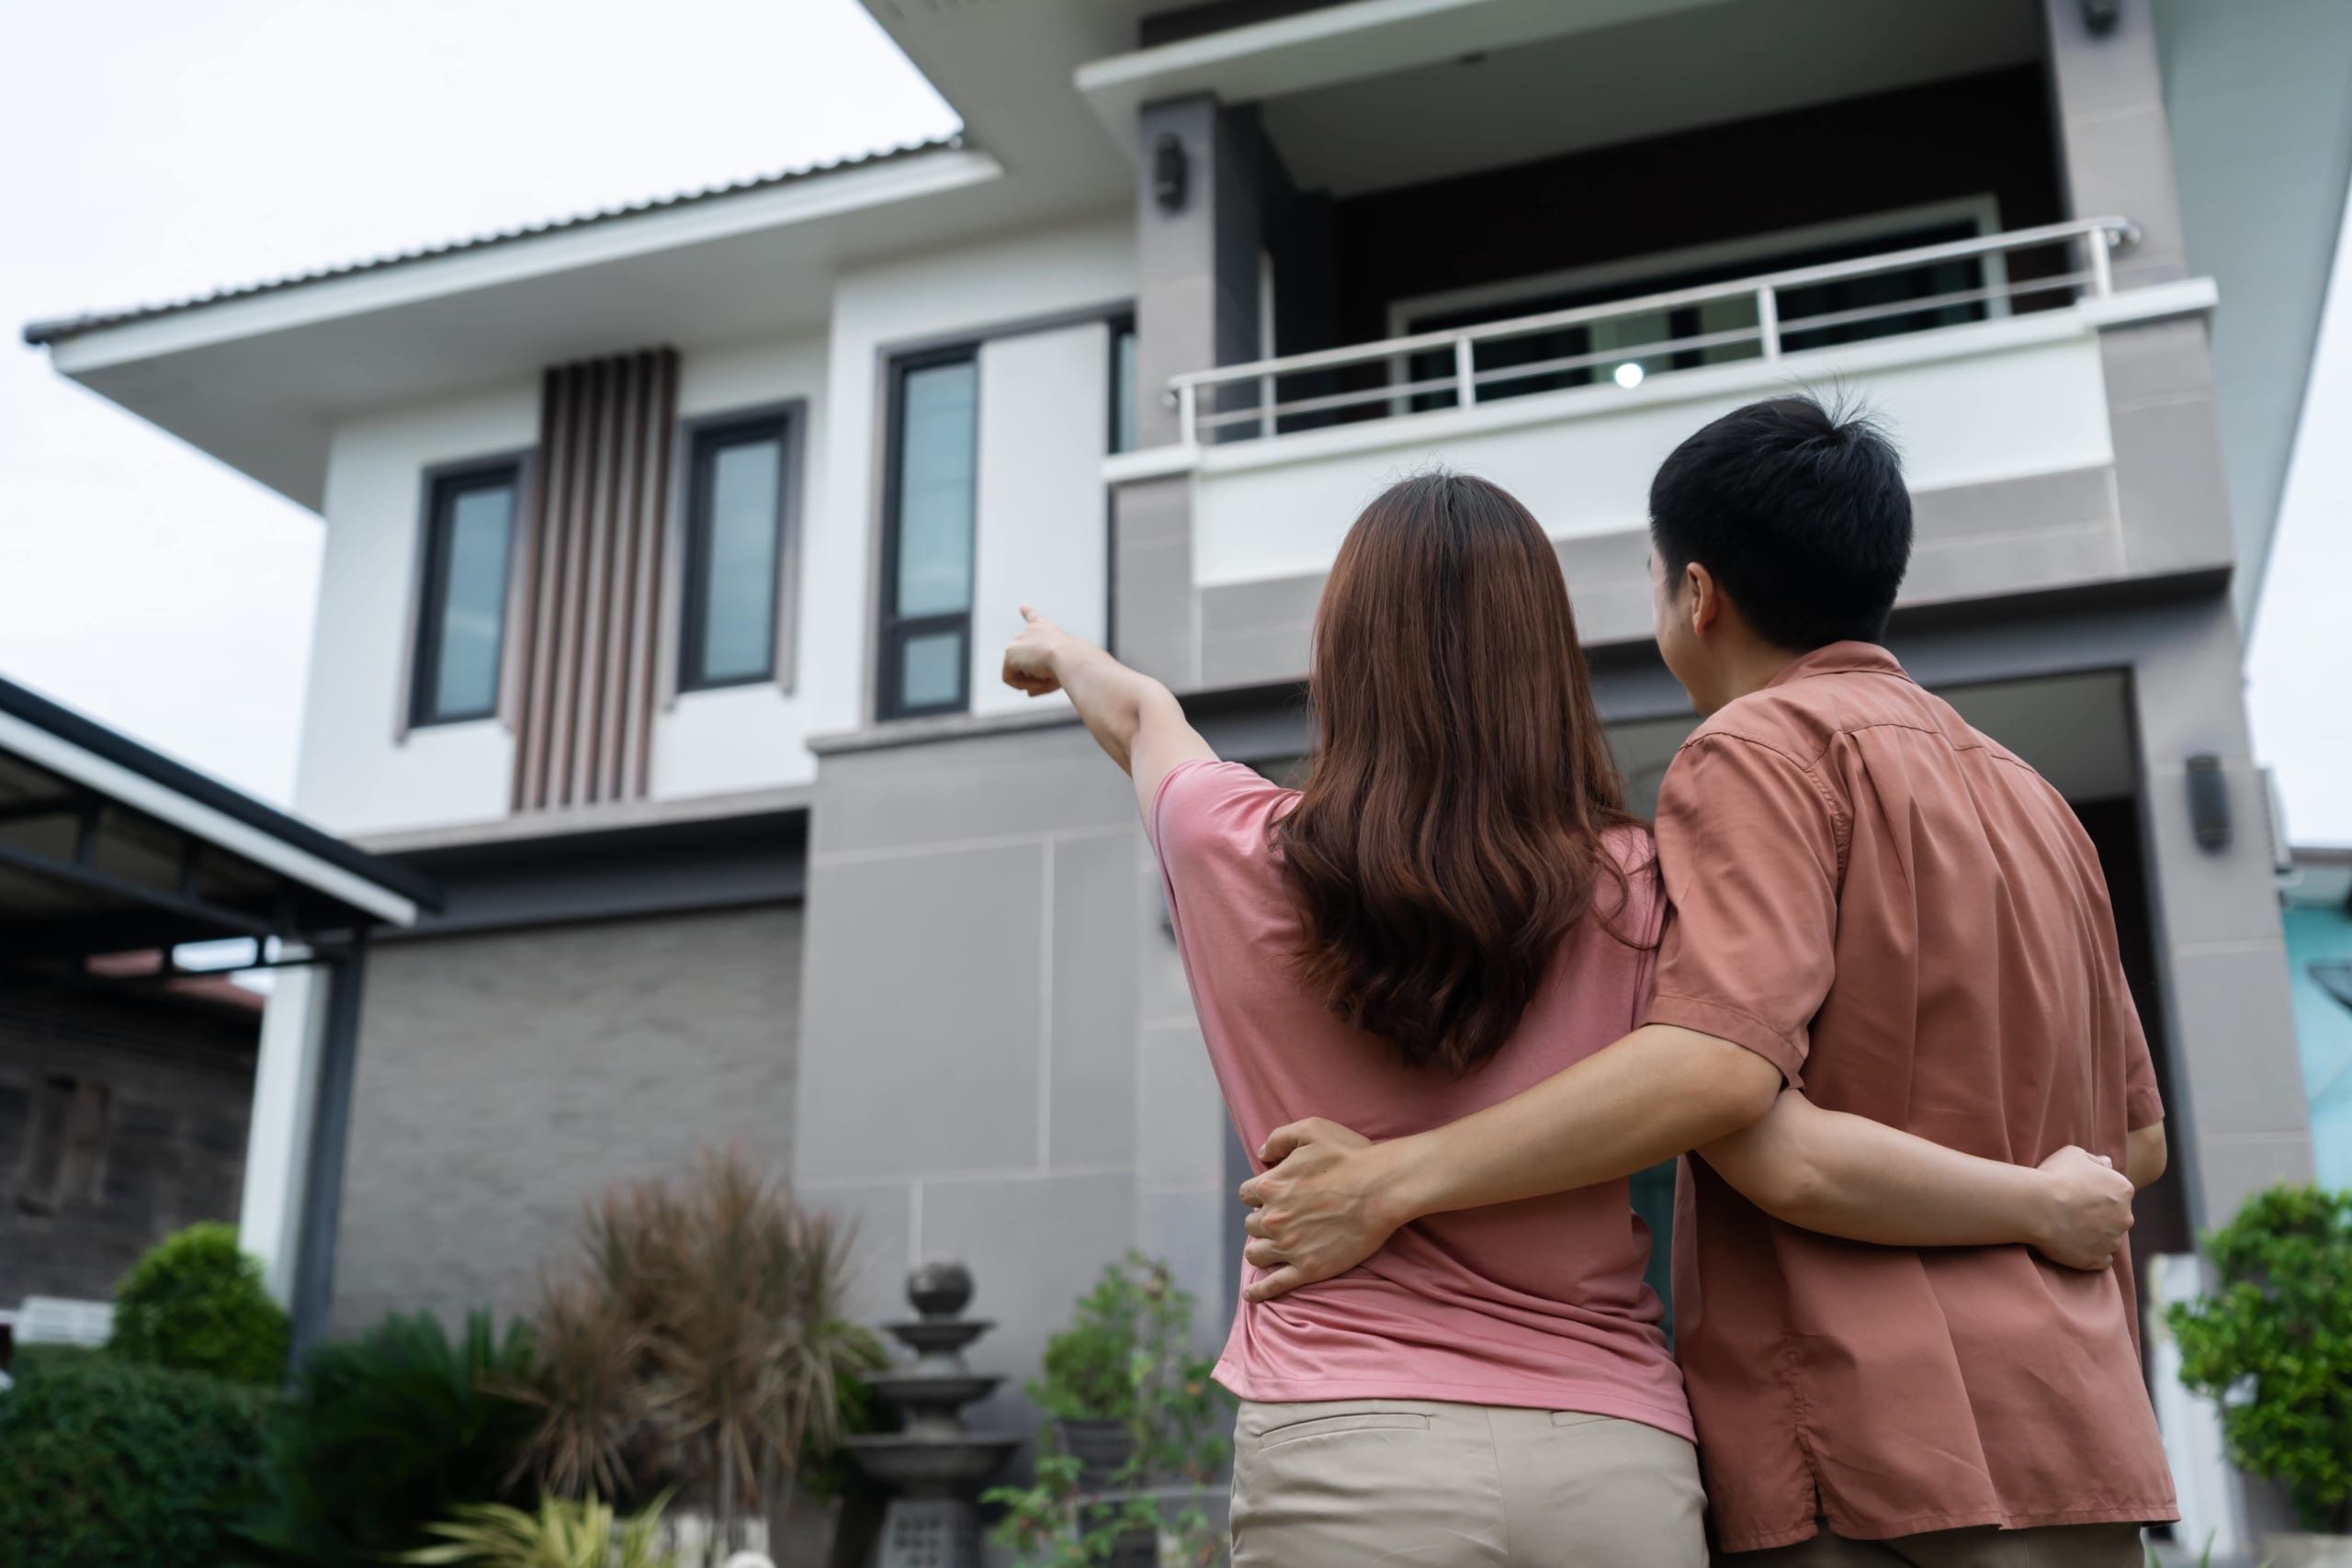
[
  {"x": 152, "y": 150},
  {"x": 2298, "y": 666}
]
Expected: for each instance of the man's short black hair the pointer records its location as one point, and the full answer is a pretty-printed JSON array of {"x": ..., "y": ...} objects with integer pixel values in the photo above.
[{"x": 1798, "y": 511}]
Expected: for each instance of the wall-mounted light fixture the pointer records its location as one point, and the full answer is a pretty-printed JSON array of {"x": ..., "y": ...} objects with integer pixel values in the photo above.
[
  {"x": 1168, "y": 171},
  {"x": 2209, "y": 801},
  {"x": 2101, "y": 16}
]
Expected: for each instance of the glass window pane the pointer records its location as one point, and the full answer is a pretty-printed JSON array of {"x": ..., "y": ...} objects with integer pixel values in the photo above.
[
  {"x": 741, "y": 538},
  {"x": 1123, "y": 391},
  {"x": 474, "y": 599},
  {"x": 937, "y": 466},
  {"x": 931, "y": 670}
]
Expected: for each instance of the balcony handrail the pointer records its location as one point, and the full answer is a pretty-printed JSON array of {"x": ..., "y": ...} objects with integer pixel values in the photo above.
[{"x": 2104, "y": 237}]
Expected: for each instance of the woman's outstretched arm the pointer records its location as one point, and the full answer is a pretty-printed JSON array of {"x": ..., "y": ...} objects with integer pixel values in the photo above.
[{"x": 1132, "y": 717}]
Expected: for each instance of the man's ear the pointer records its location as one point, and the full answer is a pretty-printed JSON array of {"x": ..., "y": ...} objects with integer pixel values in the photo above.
[{"x": 1706, "y": 604}]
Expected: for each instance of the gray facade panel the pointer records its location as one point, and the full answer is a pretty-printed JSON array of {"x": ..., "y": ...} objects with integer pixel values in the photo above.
[
  {"x": 1090, "y": 1075},
  {"x": 2216, "y": 894},
  {"x": 505, "y": 1080},
  {"x": 1023, "y": 782},
  {"x": 924, "y": 1016},
  {"x": 2236, "y": 993},
  {"x": 883, "y": 1216},
  {"x": 1181, "y": 1142},
  {"x": 1186, "y": 1231},
  {"x": 1151, "y": 605},
  {"x": 1035, "y": 1245},
  {"x": 2232, "y": 1170},
  {"x": 1985, "y": 566},
  {"x": 2168, "y": 472}
]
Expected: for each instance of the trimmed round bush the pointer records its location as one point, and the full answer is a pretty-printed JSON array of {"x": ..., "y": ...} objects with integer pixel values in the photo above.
[
  {"x": 113, "y": 1464},
  {"x": 195, "y": 1303}
]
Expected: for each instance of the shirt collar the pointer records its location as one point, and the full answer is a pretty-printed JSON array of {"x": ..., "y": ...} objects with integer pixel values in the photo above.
[{"x": 1840, "y": 658}]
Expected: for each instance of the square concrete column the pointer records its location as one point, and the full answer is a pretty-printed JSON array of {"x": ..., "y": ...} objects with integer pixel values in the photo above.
[
  {"x": 2238, "y": 1120},
  {"x": 1197, "y": 242},
  {"x": 2109, "y": 96}
]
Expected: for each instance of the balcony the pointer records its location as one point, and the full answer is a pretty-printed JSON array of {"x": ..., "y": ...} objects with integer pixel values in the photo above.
[{"x": 1982, "y": 357}]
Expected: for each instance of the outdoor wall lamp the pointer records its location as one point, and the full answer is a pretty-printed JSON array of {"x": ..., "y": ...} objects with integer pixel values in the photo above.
[
  {"x": 1169, "y": 170},
  {"x": 2209, "y": 801},
  {"x": 2101, "y": 16}
]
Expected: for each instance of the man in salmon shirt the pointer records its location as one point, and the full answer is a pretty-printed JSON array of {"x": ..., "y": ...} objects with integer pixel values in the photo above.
[{"x": 1874, "y": 901}]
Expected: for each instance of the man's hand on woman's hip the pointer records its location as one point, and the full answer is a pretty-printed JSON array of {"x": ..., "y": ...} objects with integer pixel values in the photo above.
[{"x": 1322, "y": 1207}]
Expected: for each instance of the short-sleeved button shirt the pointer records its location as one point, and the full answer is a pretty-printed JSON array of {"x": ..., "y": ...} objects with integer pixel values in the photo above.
[{"x": 1909, "y": 922}]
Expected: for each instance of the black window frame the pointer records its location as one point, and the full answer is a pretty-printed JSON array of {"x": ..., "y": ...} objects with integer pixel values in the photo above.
[
  {"x": 1123, "y": 330},
  {"x": 442, "y": 488},
  {"x": 704, "y": 439},
  {"x": 895, "y": 631}
]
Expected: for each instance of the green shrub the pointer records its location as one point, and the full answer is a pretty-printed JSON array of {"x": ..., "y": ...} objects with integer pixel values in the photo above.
[
  {"x": 565, "y": 1533},
  {"x": 2274, "y": 1345},
  {"x": 386, "y": 1435},
  {"x": 107, "y": 1463},
  {"x": 195, "y": 1303}
]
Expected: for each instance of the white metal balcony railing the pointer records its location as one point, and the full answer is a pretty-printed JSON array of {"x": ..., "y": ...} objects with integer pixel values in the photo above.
[{"x": 1239, "y": 401}]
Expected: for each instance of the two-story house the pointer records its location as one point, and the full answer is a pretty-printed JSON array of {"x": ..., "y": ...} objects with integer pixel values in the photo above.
[{"x": 669, "y": 551}]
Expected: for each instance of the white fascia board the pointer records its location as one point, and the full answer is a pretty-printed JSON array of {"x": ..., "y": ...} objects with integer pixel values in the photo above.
[
  {"x": 140, "y": 792},
  {"x": 541, "y": 255},
  {"x": 1336, "y": 43}
]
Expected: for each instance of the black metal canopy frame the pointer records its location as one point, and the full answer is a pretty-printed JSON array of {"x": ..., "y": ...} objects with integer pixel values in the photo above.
[{"x": 108, "y": 848}]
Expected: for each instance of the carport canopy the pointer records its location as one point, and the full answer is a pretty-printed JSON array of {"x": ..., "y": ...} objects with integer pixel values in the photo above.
[{"x": 107, "y": 846}]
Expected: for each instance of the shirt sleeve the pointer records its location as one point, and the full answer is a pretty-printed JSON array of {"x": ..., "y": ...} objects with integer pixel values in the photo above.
[
  {"x": 1208, "y": 811},
  {"x": 1749, "y": 844}
]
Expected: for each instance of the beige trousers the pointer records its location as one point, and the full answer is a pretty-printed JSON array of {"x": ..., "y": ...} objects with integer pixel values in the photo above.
[
  {"x": 1344, "y": 1484},
  {"x": 2055, "y": 1546}
]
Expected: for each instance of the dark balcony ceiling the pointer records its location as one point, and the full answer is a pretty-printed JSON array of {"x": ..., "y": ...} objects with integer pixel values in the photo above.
[{"x": 1678, "y": 71}]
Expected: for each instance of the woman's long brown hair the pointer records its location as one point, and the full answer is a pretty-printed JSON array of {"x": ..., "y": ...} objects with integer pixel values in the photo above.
[{"x": 1450, "y": 830}]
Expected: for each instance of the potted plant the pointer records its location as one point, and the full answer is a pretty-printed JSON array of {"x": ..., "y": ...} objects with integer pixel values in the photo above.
[
  {"x": 2273, "y": 1343},
  {"x": 1130, "y": 1408}
]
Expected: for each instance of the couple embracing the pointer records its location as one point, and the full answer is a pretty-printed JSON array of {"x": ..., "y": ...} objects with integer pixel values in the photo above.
[{"x": 1863, "y": 972}]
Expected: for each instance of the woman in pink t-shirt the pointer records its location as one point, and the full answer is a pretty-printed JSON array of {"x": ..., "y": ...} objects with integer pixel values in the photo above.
[{"x": 1455, "y": 906}]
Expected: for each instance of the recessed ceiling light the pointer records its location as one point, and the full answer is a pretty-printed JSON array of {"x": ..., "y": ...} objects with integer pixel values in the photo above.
[{"x": 1629, "y": 375}]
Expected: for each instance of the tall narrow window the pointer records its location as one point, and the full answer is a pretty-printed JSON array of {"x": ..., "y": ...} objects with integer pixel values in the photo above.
[
  {"x": 1123, "y": 386},
  {"x": 927, "y": 566},
  {"x": 739, "y": 497},
  {"x": 470, "y": 531}
]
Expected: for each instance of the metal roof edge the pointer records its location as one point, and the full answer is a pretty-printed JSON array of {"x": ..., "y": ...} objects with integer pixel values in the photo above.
[
  {"x": 48, "y": 332},
  {"x": 80, "y": 731}
]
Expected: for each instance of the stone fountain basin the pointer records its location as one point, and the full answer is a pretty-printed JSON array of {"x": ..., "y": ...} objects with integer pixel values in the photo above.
[
  {"x": 917, "y": 1463},
  {"x": 923, "y": 1390}
]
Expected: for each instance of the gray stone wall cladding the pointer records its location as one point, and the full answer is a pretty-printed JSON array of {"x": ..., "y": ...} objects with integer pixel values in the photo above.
[
  {"x": 999, "y": 1059},
  {"x": 506, "y": 1080},
  {"x": 168, "y": 1151}
]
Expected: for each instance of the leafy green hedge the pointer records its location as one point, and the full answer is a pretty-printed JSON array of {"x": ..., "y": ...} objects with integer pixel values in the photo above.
[
  {"x": 2274, "y": 1345},
  {"x": 107, "y": 1463},
  {"x": 386, "y": 1435},
  {"x": 197, "y": 1304}
]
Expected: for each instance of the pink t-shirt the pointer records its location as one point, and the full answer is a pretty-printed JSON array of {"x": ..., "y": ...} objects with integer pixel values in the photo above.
[{"x": 1538, "y": 1305}]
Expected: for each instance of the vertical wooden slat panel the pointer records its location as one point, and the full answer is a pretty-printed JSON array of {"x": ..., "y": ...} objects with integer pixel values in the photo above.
[
  {"x": 589, "y": 619},
  {"x": 536, "y": 635},
  {"x": 629, "y": 629},
  {"x": 597, "y": 524},
  {"x": 620, "y": 640},
  {"x": 653, "y": 504},
  {"x": 562, "y": 712}
]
